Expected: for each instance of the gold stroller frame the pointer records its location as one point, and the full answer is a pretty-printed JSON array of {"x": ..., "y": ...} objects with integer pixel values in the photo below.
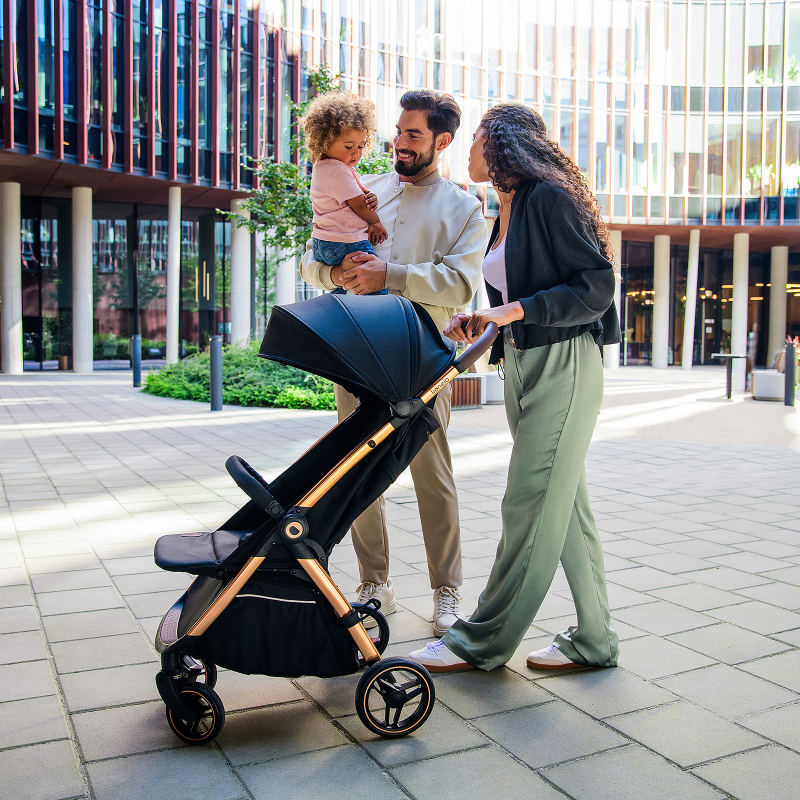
[{"x": 291, "y": 530}]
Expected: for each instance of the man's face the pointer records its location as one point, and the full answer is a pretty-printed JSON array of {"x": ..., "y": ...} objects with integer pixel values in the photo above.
[{"x": 414, "y": 146}]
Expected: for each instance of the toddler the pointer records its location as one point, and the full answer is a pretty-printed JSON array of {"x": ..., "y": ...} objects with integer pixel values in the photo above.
[{"x": 338, "y": 127}]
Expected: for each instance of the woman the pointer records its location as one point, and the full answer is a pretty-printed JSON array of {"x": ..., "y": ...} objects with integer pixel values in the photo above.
[{"x": 551, "y": 284}]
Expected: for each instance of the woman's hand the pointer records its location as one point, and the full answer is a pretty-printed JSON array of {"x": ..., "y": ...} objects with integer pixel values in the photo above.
[{"x": 466, "y": 328}]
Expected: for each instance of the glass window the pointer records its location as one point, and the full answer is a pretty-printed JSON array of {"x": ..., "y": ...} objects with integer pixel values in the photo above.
[
  {"x": 603, "y": 38},
  {"x": 583, "y": 143},
  {"x": 716, "y": 44},
  {"x": 657, "y": 131},
  {"x": 714, "y": 169},
  {"x": 621, "y": 44},
  {"x": 753, "y": 170},
  {"x": 791, "y": 164},
  {"x": 775, "y": 44},
  {"x": 566, "y": 39},
  {"x": 735, "y": 100},
  {"x": 639, "y": 155},
  {"x": 793, "y": 44},
  {"x": 620, "y": 153},
  {"x": 565, "y": 137},
  {"x": 677, "y": 45},
  {"x": 659, "y": 14},
  {"x": 547, "y": 28},
  {"x": 602, "y": 155},
  {"x": 733, "y": 155},
  {"x": 45, "y": 71},
  {"x": 677, "y": 156},
  {"x": 205, "y": 130},
  {"x": 584, "y": 39},
  {"x": 140, "y": 83},
  {"x": 697, "y": 51},
  {"x": 162, "y": 80},
  {"x": 755, "y": 44},
  {"x": 772, "y": 158},
  {"x": 736, "y": 44},
  {"x": 640, "y": 19},
  {"x": 695, "y": 153}
]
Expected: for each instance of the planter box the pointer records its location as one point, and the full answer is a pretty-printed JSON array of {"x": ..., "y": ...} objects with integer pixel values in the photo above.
[
  {"x": 467, "y": 391},
  {"x": 768, "y": 385}
]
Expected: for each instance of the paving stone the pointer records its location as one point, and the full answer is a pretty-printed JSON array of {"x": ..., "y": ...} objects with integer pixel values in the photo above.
[
  {"x": 783, "y": 669},
  {"x": 749, "y": 562},
  {"x": 662, "y": 618},
  {"x": 25, "y": 680},
  {"x": 727, "y": 691},
  {"x": 341, "y": 773},
  {"x": 239, "y": 692},
  {"x": 674, "y": 563},
  {"x": 77, "y": 600},
  {"x": 18, "y": 595},
  {"x": 152, "y": 604},
  {"x": 782, "y": 725},
  {"x": 25, "y": 646},
  {"x": 17, "y": 619},
  {"x": 605, "y": 692},
  {"x": 198, "y": 773},
  {"x": 108, "y": 651},
  {"x": 684, "y": 733},
  {"x": 696, "y": 596},
  {"x": 478, "y": 693},
  {"x": 443, "y": 733},
  {"x": 725, "y": 578},
  {"x": 261, "y": 734},
  {"x": 41, "y": 772},
  {"x": 758, "y": 617},
  {"x": 776, "y": 594},
  {"x": 653, "y": 657},
  {"x": 645, "y": 578},
  {"x": 31, "y": 721},
  {"x": 455, "y": 777},
  {"x": 336, "y": 695},
  {"x": 87, "y": 625},
  {"x": 743, "y": 776},
  {"x": 60, "y": 582},
  {"x": 124, "y": 731},
  {"x": 629, "y": 773},
  {"x": 728, "y": 643},
  {"x": 548, "y": 734},
  {"x": 114, "y": 686}
]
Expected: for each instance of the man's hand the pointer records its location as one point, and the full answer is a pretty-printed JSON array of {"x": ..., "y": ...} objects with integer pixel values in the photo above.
[{"x": 362, "y": 272}]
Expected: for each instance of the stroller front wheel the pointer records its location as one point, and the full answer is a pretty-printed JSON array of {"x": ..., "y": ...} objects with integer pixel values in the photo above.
[
  {"x": 381, "y": 642},
  {"x": 205, "y": 703},
  {"x": 395, "y": 697},
  {"x": 198, "y": 670}
]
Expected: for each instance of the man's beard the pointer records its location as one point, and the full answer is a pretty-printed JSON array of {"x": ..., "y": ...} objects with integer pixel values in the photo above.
[{"x": 414, "y": 166}]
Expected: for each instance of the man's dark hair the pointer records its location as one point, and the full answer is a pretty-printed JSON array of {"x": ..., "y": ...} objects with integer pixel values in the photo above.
[{"x": 444, "y": 114}]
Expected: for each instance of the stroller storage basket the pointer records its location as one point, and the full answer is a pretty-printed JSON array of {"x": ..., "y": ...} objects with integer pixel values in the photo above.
[{"x": 283, "y": 627}]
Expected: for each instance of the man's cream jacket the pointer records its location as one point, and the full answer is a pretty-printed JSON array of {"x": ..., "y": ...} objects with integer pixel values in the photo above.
[{"x": 440, "y": 237}]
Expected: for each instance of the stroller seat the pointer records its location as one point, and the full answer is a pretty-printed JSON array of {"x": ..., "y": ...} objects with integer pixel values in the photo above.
[{"x": 199, "y": 553}]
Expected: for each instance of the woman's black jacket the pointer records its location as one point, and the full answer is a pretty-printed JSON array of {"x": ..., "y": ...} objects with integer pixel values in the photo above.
[{"x": 554, "y": 268}]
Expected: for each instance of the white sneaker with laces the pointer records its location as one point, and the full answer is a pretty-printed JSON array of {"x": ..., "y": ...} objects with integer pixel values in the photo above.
[
  {"x": 437, "y": 658},
  {"x": 550, "y": 658},
  {"x": 381, "y": 591},
  {"x": 445, "y": 609}
]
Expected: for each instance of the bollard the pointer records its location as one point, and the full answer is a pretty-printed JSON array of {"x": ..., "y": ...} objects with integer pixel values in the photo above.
[
  {"x": 136, "y": 359},
  {"x": 790, "y": 375},
  {"x": 216, "y": 373}
]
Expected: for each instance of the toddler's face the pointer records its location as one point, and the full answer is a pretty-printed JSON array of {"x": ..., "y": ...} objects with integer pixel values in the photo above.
[{"x": 348, "y": 146}]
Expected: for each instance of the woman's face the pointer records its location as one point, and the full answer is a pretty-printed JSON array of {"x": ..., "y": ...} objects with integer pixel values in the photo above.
[{"x": 478, "y": 168}]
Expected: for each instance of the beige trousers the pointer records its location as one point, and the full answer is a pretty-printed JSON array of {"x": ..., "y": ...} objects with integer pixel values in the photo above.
[{"x": 432, "y": 473}]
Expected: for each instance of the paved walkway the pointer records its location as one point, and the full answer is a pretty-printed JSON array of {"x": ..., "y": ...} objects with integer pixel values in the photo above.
[{"x": 697, "y": 500}]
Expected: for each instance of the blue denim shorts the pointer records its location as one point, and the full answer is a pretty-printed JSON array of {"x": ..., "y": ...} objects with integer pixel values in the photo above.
[{"x": 333, "y": 253}]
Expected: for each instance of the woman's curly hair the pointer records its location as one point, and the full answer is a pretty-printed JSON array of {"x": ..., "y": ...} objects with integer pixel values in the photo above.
[
  {"x": 517, "y": 150},
  {"x": 333, "y": 112}
]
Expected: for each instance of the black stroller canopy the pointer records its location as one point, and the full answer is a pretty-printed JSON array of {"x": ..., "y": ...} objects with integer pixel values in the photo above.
[{"x": 384, "y": 344}]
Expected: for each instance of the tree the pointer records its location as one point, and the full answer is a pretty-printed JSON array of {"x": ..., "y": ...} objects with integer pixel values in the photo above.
[{"x": 281, "y": 206}]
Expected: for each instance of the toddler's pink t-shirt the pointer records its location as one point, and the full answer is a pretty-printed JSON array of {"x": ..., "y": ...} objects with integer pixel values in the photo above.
[{"x": 333, "y": 183}]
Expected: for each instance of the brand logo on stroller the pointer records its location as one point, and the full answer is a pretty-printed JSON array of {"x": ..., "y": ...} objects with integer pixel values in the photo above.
[{"x": 439, "y": 386}]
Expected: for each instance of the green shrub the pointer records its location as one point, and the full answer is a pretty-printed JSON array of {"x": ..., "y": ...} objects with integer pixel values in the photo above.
[{"x": 247, "y": 380}]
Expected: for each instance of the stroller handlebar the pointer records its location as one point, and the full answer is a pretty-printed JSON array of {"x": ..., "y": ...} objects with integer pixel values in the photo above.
[{"x": 477, "y": 348}]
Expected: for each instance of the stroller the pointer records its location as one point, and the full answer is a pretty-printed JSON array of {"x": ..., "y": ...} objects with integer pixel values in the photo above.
[{"x": 263, "y": 601}]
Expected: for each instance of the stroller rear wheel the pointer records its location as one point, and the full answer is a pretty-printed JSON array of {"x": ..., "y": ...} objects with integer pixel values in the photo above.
[
  {"x": 395, "y": 697},
  {"x": 204, "y": 702}
]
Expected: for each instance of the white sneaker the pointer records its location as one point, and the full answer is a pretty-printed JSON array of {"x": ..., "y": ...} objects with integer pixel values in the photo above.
[
  {"x": 437, "y": 658},
  {"x": 445, "y": 609},
  {"x": 550, "y": 658},
  {"x": 381, "y": 591}
]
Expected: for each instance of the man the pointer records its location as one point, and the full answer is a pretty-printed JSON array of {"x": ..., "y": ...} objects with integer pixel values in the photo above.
[{"x": 433, "y": 255}]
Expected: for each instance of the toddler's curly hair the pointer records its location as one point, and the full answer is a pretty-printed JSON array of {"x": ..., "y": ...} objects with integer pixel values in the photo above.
[{"x": 333, "y": 112}]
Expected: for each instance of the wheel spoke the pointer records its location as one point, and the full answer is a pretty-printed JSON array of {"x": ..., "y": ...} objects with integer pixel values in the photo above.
[
  {"x": 397, "y": 713},
  {"x": 410, "y": 695},
  {"x": 387, "y": 710}
]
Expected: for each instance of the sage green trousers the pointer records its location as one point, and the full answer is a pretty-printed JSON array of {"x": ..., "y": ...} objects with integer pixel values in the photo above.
[{"x": 553, "y": 395}]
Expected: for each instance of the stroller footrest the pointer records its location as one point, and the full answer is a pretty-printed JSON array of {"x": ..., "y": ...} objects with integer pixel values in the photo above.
[{"x": 197, "y": 553}]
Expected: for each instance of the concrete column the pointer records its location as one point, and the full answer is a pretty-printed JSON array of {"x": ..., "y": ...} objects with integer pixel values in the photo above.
[
  {"x": 691, "y": 299},
  {"x": 240, "y": 279},
  {"x": 82, "y": 305},
  {"x": 741, "y": 271},
  {"x": 285, "y": 280},
  {"x": 611, "y": 351},
  {"x": 660, "y": 302},
  {"x": 173, "y": 273},
  {"x": 11, "y": 277},
  {"x": 778, "y": 276}
]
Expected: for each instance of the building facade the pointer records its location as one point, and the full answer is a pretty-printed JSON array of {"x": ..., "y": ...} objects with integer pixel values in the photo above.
[{"x": 684, "y": 117}]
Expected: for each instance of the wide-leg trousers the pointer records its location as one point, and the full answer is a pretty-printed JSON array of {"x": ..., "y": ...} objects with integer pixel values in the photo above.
[
  {"x": 553, "y": 395},
  {"x": 437, "y": 500}
]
